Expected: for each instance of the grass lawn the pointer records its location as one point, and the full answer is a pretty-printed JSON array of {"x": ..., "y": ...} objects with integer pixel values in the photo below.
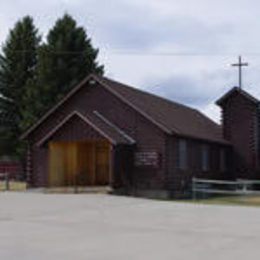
[
  {"x": 13, "y": 186},
  {"x": 250, "y": 200}
]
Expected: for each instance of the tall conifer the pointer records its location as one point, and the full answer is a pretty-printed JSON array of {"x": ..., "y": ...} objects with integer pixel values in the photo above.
[
  {"x": 17, "y": 66},
  {"x": 66, "y": 58}
]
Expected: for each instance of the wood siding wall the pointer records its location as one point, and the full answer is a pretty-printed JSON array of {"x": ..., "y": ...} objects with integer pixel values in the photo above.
[
  {"x": 88, "y": 99},
  {"x": 179, "y": 180}
]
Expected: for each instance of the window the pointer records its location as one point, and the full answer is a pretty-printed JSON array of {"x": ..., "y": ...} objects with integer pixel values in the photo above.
[
  {"x": 205, "y": 157},
  {"x": 182, "y": 163},
  {"x": 223, "y": 160}
]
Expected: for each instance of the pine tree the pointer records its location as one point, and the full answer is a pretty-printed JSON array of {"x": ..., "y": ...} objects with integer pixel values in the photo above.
[
  {"x": 17, "y": 66},
  {"x": 34, "y": 77},
  {"x": 65, "y": 59}
]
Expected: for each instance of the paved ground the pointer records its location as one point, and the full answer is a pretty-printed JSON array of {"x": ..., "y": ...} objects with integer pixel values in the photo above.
[{"x": 96, "y": 227}]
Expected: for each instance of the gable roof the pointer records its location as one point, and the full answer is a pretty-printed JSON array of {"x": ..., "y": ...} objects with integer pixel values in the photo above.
[
  {"x": 169, "y": 116},
  {"x": 102, "y": 126},
  {"x": 178, "y": 118},
  {"x": 236, "y": 90}
]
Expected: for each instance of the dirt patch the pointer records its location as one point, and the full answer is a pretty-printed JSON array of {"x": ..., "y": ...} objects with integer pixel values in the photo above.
[{"x": 13, "y": 186}]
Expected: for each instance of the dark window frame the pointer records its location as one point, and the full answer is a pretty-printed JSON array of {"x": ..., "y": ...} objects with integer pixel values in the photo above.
[
  {"x": 205, "y": 157},
  {"x": 223, "y": 160},
  {"x": 182, "y": 154}
]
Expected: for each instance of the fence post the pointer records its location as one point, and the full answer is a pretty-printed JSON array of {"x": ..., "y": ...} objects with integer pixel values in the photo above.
[
  {"x": 75, "y": 179},
  {"x": 7, "y": 182},
  {"x": 245, "y": 189},
  {"x": 193, "y": 186}
]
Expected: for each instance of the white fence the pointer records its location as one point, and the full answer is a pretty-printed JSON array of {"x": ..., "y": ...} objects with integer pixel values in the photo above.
[{"x": 222, "y": 187}]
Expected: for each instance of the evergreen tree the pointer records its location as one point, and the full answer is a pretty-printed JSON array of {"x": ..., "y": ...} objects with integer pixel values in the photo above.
[
  {"x": 17, "y": 66},
  {"x": 65, "y": 59}
]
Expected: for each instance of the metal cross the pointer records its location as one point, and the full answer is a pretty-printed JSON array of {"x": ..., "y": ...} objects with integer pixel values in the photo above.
[{"x": 240, "y": 64}]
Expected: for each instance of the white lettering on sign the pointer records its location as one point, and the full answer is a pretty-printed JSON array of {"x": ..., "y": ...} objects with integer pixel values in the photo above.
[{"x": 147, "y": 159}]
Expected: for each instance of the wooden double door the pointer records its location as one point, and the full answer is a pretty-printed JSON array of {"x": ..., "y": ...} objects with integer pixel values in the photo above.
[{"x": 79, "y": 163}]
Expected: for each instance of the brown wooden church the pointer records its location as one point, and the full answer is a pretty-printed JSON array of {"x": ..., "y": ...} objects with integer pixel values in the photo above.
[{"x": 106, "y": 133}]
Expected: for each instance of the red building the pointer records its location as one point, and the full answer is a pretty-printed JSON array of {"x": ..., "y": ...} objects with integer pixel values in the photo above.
[
  {"x": 12, "y": 167},
  {"x": 106, "y": 133}
]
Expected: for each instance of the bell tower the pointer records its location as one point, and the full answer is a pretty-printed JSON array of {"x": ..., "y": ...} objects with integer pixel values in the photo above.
[{"x": 240, "y": 124}]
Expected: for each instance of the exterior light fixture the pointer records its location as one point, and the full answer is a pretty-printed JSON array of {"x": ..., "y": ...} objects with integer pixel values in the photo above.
[{"x": 92, "y": 82}]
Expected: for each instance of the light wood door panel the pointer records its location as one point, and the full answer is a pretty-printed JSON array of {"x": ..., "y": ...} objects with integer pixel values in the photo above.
[
  {"x": 102, "y": 164},
  {"x": 57, "y": 167},
  {"x": 84, "y": 163}
]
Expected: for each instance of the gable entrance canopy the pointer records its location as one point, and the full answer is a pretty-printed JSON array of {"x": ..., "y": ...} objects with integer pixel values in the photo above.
[
  {"x": 99, "y": 123},
  {"x": 85, "y": 159}
]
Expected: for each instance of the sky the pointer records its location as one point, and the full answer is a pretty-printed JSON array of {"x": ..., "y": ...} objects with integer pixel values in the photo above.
[{"x": 181, "y": 50}]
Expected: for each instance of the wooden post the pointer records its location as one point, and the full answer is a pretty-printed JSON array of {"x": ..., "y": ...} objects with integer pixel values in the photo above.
[
  {"x": 111, "y": 165},
  {"x": 95, "y": 163},
  {"x": 29, "y": 166},
  {"x": 75, "y": 180},
  {"x": 7, "y": 186},
  {"x": 193, "y": 185}
]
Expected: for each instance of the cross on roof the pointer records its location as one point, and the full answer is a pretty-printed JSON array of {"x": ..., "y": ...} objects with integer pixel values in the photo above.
[{"x": 240, "y": 64}]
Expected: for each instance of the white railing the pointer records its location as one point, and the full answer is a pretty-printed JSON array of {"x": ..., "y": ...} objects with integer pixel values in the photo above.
[{"x": 238, "y": 187}]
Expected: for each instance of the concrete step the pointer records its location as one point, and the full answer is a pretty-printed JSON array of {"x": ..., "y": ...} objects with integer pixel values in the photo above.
[{"x": 80, "y": 189}]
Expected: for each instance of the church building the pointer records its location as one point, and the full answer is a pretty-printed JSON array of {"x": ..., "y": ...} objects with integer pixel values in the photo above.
[{"x": 106, "y": 133}]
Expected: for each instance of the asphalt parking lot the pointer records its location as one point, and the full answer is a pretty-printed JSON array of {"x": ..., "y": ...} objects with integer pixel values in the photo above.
[{"x": 97, "y": 227}]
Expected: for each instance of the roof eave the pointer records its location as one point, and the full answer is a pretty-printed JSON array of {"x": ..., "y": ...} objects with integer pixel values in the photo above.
[
  {"x": 85, "y": 119},
  {"x": 209, "y": 140}
]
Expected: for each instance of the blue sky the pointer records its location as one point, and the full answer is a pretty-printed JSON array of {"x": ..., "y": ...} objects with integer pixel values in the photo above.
[{"x": 181, "y": 50}]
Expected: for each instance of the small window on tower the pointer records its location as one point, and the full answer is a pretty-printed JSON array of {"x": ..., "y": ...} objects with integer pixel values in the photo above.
[
  {"x": 223, "y": 160},
  {"x": 182, "y": 150},
  {"x": 205, "y": 157}
]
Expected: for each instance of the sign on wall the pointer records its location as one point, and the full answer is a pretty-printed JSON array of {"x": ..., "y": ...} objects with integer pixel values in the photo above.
[{"x": 150, "y": 159}]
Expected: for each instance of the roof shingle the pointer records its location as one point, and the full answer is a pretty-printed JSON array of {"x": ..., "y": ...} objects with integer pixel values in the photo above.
[{"x": 180, "y": 119}]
